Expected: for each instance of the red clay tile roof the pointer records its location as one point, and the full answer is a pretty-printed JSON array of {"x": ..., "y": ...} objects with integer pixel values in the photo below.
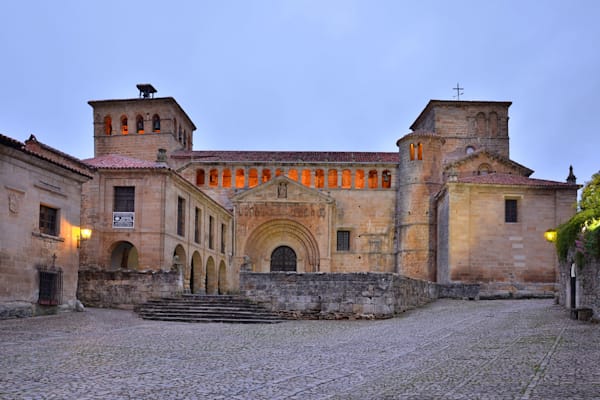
[
  {"x": 290, "y": 156},
  {"x": 115, "y": 161},
  {"x": 515, "y": 180}
]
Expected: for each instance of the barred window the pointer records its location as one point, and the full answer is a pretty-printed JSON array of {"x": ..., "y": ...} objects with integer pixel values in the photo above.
[
  {"x": 343, "y": 240},
  {"x": 511, "y": 210},
  {"x": 124, "y": 200},
  {"x": 49, "y": 220}
]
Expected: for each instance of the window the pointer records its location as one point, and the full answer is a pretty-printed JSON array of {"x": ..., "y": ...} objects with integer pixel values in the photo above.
[
  {"x": 211, "y": 236},
  {"x": 213, "y": 178},
  {"x": 124, "y": 200},
  {"x": 306, "y": 177},
  {"x": 266, "y": 175},
  {"x": 108, "y": 125},
  {"x": 418, "y": 149},
  {"x": 239, "y": 178},
  {"x": 226, "y": 178},
  {"x": 139, "y": 124},
  {"x": 293, "y": 174},
  {"x": 278, "y": 172},
  {"x": 343, "y": 240},
  {"x": 200, "y": 177},
  {"x": 49, "y": 220},
  {"x": 373, "y": 179},
  {"x": 223, "y": 238},
  {"x": 346, "y": 179},
  {"x": 180, "y": 135},
  {"x": 197, "y": 224},
  {"x": 156, "y": 123},
  {"x": 332, "y": 179},
  {"x": 124, "y": 127},
  {"x": 252, "y": 177},
  {"x": 180, "y": 216},
  {"x": 386, "y": 179},
  {"x": 50, "y": 286},
  {"x": 319, "y": 178},
  {"x": 359, "y": 182},
  {"x": 510, "y": 210}
]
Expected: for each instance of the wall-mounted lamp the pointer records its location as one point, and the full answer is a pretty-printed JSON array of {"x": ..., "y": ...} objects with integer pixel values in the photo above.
[
  {"x": 551, "y": 235},
  {"x": 84, "y": 234}
]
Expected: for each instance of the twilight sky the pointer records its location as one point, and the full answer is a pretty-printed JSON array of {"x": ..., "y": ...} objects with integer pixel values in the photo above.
[{"x": 308, "y": 75}]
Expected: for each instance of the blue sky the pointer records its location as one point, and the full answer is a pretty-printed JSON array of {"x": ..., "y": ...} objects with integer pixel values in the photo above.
[{"x": 308, "y": 75}]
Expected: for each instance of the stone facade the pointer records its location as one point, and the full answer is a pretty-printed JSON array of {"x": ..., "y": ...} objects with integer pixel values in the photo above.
[
  {"x": 579, "y": 287},
  {"x": 40, "y": 201}
]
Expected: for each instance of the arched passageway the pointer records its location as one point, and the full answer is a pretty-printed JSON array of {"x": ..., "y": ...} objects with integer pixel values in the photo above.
[
  {"x": 283, "y": 259},
  {"x": 123, "y": 255},
  {"x": 211, "y": 277}
]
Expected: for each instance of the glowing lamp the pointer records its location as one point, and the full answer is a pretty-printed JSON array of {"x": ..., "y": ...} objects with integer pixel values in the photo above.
[
  {"x": 550, "y": 235},
  {"x": 84, "y": 234}
]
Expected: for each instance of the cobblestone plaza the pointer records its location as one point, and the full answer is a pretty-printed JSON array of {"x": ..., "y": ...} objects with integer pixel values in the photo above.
[{"x": 519, "y": 349}]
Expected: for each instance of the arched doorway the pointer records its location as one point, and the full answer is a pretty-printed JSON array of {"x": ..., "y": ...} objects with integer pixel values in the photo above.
[
  {"x": 211, "y": 277},
  {"x": 283, "y": 259},
  {"x": 123, "y": 255},
  {"x": 197, "y": 284},
  {"x": 222, "y": 278}
]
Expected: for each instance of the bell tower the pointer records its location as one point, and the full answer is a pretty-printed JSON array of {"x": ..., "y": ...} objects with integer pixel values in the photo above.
[{"x": 138, "y": 127}]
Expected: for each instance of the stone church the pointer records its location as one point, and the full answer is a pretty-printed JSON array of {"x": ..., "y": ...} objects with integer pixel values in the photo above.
[{"x": 446, "y": 204}]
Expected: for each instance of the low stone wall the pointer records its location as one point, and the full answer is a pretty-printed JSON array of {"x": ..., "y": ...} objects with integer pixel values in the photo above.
[
  {"x": 335, "y": 296},
  {"x": 125, "y": 288},
  {"x": 469, "y": 291}
]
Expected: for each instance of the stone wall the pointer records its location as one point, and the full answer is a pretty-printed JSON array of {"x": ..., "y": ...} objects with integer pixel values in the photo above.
[
  {"x": 587, "y": 286},
  {"x": 126, "y": 288},
  {"x": 334, "y": 296}
]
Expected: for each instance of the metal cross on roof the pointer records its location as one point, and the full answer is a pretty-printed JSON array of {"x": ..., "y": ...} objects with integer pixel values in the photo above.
[{"x": 458, "y": 91}]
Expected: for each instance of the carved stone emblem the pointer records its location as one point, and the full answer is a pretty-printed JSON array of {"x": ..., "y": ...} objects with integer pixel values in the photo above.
[{"x": 282, "y": 190}]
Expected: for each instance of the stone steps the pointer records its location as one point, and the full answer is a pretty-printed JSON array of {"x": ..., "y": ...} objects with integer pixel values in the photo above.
[{"x": 207, "y": 308}]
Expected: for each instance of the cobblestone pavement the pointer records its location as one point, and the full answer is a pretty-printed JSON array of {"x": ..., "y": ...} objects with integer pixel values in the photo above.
[{"x": 519, "y": 349}]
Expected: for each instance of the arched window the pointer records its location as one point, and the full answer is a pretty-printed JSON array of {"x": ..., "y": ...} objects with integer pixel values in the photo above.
[
  {"x": 184, "y": 137},
  {"x": 266, "y": 175},
  {"x": 493, "y": 124},
  {"x": 386, "y": 179},
  {"x": 332, "y": 180},
  {"x": 412, "y": 151},
  {"x": 213, "y": 178},
  {"x": 139, "y": 124},
  {"x": 306, "y": 177},
  {"x": 226, "y": 183},
  {"x": 174, "y": 126},
  {"x": 124, "y": 128},
  {"x": 480, "y": 128},
  {"x": 346, "y": 179},
  {"x": 373, "y": 179},
  {"x": 179, "y": 137},
  {"x": 319, "y": 178},
  {"x": 419, "y": 151},
  {"x": 484, "y": 169},
  {"x": 156, "y": 123},
  {"x": 252, "y": 177},
  {"x": 359, "y": 180},
  {"x": 293, "y": 174},
  {"x": 416, "y": 151},
  {"x": 278, "y": 172},
  {"x": 200, "y": 177},
  {"x": 239, "y": 178},
  {"x": 108, "y": 125},
  {"x": 283, "y": 259}
]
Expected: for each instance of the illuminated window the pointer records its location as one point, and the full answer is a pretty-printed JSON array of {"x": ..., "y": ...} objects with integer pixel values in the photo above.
[
  {"x": 139, "y": 124},
  {"x": 293, "y": 174},
  {"x": 386, "y": 179},
  {"x": 252, "y": 177},
  {"x": 200, "y": 177},
  {"x": 226, "y": 178},
  {"x": 412, "y": 152},
  {"x": 319, "y": 178},
  {"x": 332, "y": 179},
  {"x": 359, "y": 180},
  {"x": 266, "y": 175},
  {"x": 416, "y": 151},
  {"x": 278, "y": 172},
  {"x": 108, "y": 125},
  {"x": 124, "y": 128},
  {"x": 372, "y": 179},
  {"x": 213, "y": 178},
  {"x": 346, "y": 179},
  {"x": 239, "y": 178},
  {"x": 419, "y": 151},
  {"x": 306, "y": 177},
  {"x": 156, "y": 123}
]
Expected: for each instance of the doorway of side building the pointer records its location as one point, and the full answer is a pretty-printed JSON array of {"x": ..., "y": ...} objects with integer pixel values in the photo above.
[
  {"x": 211, "y": 277},
  {"x": 283, "y": 259}
]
